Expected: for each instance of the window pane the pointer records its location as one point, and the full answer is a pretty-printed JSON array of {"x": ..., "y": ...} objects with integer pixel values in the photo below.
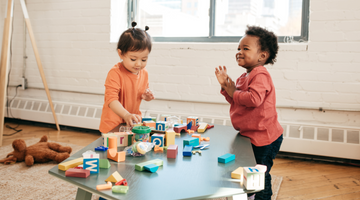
[
  {"x": 283, "y": 17},
  {"x": 174, "y": 18},
  {"x": 118, "y": 18}
]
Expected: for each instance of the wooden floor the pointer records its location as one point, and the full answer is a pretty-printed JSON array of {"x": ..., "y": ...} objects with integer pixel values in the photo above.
[{"x": 301, "y": 179}]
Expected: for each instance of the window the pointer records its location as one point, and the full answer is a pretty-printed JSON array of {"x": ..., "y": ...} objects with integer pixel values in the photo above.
[{"x": 214, "y": 20}]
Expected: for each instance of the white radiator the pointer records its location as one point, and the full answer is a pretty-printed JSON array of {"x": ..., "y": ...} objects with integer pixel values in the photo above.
[{"x": 304, "y": 138}]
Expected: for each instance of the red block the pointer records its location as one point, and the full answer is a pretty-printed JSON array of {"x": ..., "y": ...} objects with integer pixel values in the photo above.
[
  {"x": 194, "y": 128},
  {"x": 80, "y": 173},
  {"x": 178, "y": 129},
  {"x": 172, "y": 151},
  {"x": 122, "y": 182}
]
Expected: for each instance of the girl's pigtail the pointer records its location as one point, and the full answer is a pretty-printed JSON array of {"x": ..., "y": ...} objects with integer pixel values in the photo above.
[
  {"x": 133, "y": 24},
  {"x": 146, "y": 28}
]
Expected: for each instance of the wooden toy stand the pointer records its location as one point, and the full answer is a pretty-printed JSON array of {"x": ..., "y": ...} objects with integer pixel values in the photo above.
[{"x": 5, "y": 60}]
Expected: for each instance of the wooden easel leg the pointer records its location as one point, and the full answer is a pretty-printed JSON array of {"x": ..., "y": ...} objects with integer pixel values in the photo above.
[
  {"x": 5, "y": 58},
  {"x": 32, "y": 38}
]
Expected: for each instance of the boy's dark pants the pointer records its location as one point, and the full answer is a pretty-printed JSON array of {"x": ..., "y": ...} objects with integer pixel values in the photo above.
[{"x": 265, "y": 155}]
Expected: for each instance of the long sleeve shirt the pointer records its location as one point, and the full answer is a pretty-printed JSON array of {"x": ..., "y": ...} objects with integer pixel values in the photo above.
[
  {"x": 125, "y": 87},
  {"x": 253, "y": 109}
]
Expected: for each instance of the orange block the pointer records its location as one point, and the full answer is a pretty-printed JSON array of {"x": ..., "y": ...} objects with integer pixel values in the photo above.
[
  {"x": 113, "y": 142},
  {"x": 206, "y": 139},
  {"x": 106, "y": 186},
  {"x": 116, "y": 156},
  {"x": 158, "y": 148}
]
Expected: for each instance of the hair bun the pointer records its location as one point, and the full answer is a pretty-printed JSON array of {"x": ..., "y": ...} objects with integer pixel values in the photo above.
[
  {"x": 133, "y": 24},
  {"x": 146, "y": 28}
]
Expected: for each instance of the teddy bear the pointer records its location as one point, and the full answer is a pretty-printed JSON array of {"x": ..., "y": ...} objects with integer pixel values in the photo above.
[{"x": 40, "y": 152}]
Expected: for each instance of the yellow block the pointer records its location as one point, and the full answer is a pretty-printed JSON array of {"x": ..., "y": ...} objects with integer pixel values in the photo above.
[
  {"x": 70, "y": 164},
  {"x": 237, "y": 173},
  {"x": 170, "y": 137},
  {"x": 115, "y": 177},
  {"x": 202, "y": 127}
]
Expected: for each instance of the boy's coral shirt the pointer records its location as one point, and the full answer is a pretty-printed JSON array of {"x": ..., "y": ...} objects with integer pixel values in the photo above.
[
  {"x": 127, "y": 88},
  {"x": 253, "y": 107}
]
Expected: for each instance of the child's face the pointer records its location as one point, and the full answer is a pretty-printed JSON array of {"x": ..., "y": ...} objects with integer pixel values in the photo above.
[
  {"x": 249, "y": 53},
  {"x": 134, "y": 61}
]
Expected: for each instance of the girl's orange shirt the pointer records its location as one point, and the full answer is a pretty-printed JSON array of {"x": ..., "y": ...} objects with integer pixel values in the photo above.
[{"x": 125, "y": 87}]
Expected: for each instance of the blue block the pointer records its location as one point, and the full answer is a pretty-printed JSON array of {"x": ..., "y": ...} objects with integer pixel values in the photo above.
[
  {"x": 91, "y": 164},
  {"x": 187, "y": 150},
  {"x": 146, "y": 119},
  {"x": 191, "y": 141},
  {"x": 226, "y": 158},
  {"x": 161, "y": 126},
  {"x": 189, "y": 125},
  {"x": 101, "y": 148},
  {"x": 151, "y": 168},
  {"x": 158, "y": 139}
]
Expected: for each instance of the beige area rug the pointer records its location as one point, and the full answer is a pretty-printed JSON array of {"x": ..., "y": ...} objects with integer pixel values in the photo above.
[{"x": 21, "y": 182}]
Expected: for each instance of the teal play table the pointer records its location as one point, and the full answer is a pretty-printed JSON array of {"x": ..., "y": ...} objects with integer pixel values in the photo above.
[{"x": 195, "y": 177}]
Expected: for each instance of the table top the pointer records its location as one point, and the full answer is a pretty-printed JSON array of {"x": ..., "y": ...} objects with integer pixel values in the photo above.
[{"x": 195, "y": 177}]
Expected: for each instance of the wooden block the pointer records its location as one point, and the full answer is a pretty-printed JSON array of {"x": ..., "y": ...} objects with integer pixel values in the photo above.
[
  {"x": 162, "y": 125},
  {"x": 81, "y": 173},
  {"x": 120, "y": 189},
  {"x": 170, "y": 137},
  {"x": 122, "y": 182},
  {"x": 140, "y": 166},
  {"x": 70, "y": 164},
  {"x": 112, "y": 142},
  {"x": 124, "y": 139},
  {"x": 151, "y": 168},
  {"x": 150, "y": 124},
  {"x": 115, "y": 177},
  {"x": 106, "y": 186},
  {"x": 146, "y": 119},
  {"x": 158, "y": 139},
  {"x": 191, "y": 141},
  {"x": 157, "y": 148},
  {"x": 202, "y": 127},
  {"x": 164, "y": 117},
  {"x": 101, "y": 148},
  {"x": 91, "y": 164},
  {"x": 210, "y": 126},
  {"x": 194, "y": 128},
  {"x": 106, "y": 138},
  {"x": 226, "y": 158},
  {"x": 180, "y": 128},
  {"x": 187, "y": 150},
  {"x": 104, "y": 163},
  {"x": 195, "y": 120},
  {"x": 237, "y": 173},
  {"x": 196, "y": 135},
  {"x": 172, "y": 151},
  {"x": 116, "y": 156}
]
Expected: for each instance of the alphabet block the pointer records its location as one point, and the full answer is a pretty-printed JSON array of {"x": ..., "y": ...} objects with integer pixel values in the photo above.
[
  {"x": 158, "y": 139},
  {"x": 150, "y": 124},
  {"x": 162, "y": 125},
  {"x": 195, "y": 120}
]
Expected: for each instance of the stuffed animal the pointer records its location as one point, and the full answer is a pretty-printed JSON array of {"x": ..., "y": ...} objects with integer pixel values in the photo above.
[{"x": 40, "y": 152}]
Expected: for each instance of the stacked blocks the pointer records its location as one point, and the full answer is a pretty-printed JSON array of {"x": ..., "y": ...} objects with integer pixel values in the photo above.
[
  {"x": 191, "y": 141},
  {"x": 158, "y": 139},
  {"x": 172, "y": 151},
  {"x": 151, "y": 168},
  {"x": 187, "y": 150},
  {"x": 140, "y": 166},
  {"x": 226, "y": 158}
]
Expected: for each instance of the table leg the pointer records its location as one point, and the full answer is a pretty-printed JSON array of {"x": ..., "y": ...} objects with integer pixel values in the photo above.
[{"x": 83, "y": 195}]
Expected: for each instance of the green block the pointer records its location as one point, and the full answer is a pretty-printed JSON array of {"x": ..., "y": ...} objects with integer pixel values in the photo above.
[
  {"x": 104, "y": 163},
  {"x": 191, "y": 141},
  {"x": 140, "y": 166},
  {"x": 120, "y": 189}
]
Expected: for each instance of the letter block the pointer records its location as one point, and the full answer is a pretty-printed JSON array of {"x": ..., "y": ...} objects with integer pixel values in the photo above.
[{"x": 158, "y": 139}]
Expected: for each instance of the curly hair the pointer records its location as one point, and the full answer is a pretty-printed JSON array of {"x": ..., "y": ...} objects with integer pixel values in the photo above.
[{"x": 267, "y": 41}]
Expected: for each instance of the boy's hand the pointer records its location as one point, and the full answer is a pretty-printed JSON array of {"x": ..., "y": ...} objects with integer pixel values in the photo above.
[
  {"x": 131, "y": 118},
  {"x": 148, "y": 95},
  {"x": 221, "y": 75},
  {"x": 230, "y": 87}
]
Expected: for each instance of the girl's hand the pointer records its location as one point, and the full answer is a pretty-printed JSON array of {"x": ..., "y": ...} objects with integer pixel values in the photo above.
[
  {"x": 148, "y": 95},
  {"x": 130, "y": 119},
  {"x": 221, "y": 75},
  {"x": 230, "y": 87}
]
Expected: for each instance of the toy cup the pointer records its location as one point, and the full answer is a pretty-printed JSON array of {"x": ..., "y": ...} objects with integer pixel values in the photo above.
[{"x": 141, "y": 133}]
